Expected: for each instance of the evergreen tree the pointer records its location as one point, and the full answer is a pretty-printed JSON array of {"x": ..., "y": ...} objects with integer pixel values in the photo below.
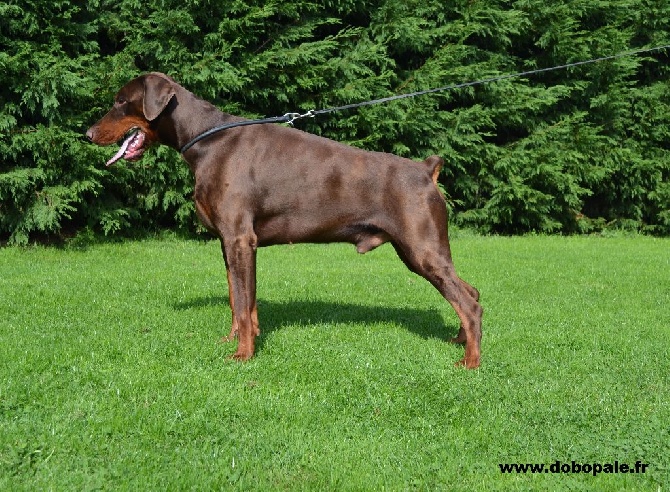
[{"x": 575, "y": 150}]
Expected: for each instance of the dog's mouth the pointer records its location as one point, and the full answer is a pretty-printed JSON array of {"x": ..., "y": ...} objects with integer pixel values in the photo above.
[{"x": 132, "y": 147}]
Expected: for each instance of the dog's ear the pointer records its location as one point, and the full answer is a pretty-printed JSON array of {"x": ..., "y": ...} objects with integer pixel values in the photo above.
[{"x": 157, "y": 94}]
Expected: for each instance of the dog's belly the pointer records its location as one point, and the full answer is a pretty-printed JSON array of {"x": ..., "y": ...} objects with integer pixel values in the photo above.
[{"x": 348, "y": 229}]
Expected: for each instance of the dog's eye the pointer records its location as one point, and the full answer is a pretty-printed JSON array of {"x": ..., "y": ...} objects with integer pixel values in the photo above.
[{"x": 121, "y": 100}]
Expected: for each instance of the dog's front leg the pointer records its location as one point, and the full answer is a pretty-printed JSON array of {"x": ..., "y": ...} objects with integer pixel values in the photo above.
[
  {"x": 233, "y": 327},
  {"x": 240, "y": 256}
]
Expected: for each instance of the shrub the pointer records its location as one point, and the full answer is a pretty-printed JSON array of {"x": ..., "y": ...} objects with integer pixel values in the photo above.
[{"x": 564, "y": 151}]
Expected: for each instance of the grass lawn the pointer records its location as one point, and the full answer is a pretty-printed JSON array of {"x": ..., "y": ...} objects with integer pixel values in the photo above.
[{"x": 112, "y": 377}]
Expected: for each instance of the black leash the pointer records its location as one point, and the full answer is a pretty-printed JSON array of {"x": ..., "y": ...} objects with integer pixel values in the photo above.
[{"x": 291, "y": 117}]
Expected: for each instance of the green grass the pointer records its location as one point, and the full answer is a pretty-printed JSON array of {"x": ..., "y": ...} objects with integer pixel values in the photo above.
[{"x": 112, "y": 377}]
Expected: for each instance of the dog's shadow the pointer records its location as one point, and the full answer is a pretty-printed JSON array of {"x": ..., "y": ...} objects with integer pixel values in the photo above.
[{"x": 273, "y": 315}]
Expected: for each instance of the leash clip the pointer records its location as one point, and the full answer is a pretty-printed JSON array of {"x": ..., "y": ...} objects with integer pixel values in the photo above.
[{"x": 291, "y": 117}]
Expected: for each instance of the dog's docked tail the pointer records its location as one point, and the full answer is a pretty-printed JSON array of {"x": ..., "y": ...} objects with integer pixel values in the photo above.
[{"x": 434, "y": 163}]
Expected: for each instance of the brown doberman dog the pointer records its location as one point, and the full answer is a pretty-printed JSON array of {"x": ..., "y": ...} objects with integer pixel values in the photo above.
[{"x": 270, "y": 184}]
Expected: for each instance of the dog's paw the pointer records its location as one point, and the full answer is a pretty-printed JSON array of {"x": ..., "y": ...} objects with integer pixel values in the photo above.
[
  {"x": 468, "y": 362},
  {"x": 240, "y": 356}
]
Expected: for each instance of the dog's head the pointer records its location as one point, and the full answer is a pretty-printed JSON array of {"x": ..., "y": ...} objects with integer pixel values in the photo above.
[{"x": 131, "y": 120}]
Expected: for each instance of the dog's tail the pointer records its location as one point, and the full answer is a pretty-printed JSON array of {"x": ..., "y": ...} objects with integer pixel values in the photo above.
[{"x": 434, "y": 163}]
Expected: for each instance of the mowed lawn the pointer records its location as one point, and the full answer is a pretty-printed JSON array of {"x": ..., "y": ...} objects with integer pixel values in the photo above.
[{"x": 112, "y": 376}]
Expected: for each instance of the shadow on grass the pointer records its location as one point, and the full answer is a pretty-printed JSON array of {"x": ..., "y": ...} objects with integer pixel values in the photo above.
[{"x": 272, "y": 315}]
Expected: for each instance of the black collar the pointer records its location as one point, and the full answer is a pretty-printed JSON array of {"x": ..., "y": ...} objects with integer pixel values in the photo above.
[{"x": 287, "y": 118}]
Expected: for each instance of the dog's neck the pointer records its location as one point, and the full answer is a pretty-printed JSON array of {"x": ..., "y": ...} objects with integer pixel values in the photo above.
[{"x": 176, "y": 125}]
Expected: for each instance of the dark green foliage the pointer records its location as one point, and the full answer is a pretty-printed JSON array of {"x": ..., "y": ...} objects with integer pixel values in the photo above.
[{"x": 575, "y": 150}]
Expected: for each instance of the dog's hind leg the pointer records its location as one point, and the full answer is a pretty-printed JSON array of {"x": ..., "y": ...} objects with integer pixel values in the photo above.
[
  {"x": 435, "y": 265},
  {"x": 460, "y": 338}
]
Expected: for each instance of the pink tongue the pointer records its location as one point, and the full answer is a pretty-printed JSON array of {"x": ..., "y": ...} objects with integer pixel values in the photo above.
[{"x": 122, "y": 150}]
